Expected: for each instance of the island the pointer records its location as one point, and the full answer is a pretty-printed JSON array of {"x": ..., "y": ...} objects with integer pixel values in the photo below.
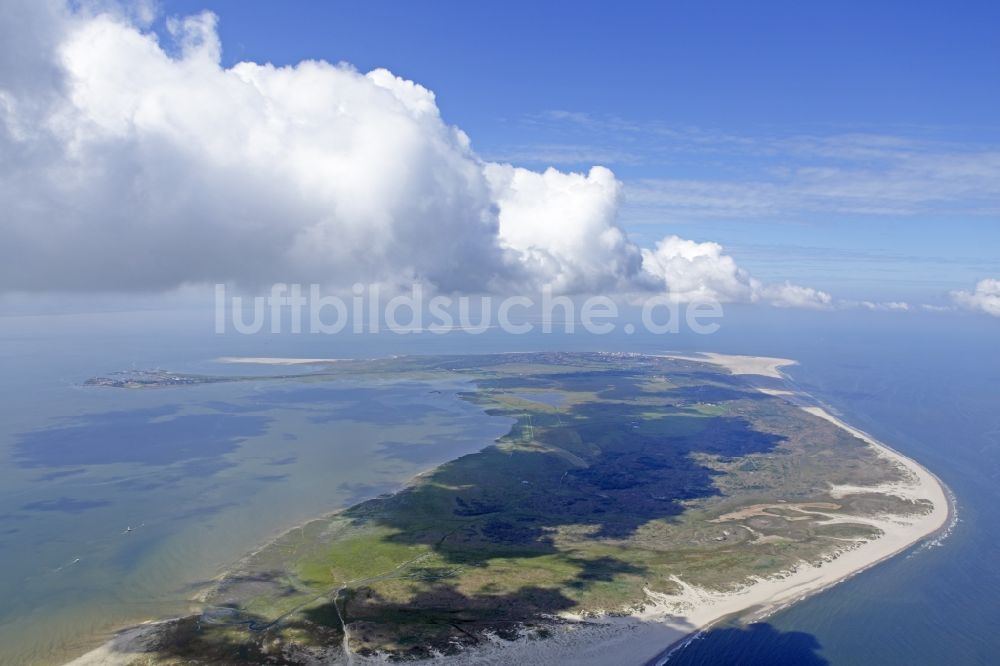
[{"x": 635, "y": 500}]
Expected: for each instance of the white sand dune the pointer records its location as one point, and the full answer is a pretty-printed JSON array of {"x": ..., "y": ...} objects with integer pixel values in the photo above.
[
  {"x": 641, "y": 637},
  {"x": 668, "y": 618},
  {"x": 765, "y": 366},
  {"x": 268, "y": 360}
]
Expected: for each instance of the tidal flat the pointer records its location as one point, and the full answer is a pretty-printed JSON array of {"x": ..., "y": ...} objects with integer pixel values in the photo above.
[{"x": 654, "y": 493}]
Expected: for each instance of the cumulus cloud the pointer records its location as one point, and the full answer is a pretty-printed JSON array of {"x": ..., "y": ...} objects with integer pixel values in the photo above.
[
  {"x": 562, "y": 225},
  {"x": 691, "y": 271},
  {"x": 127, "y": 163},
  {"x": 984, "y": 298},
  {"x": 695, "y": 271},
  {"x": 147, "y": 170}
]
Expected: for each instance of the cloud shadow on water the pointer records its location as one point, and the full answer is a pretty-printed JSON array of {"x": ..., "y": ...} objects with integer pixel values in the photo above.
[
  {"x": 156, "y": 436},
  {"x": 758, "y": 644}
]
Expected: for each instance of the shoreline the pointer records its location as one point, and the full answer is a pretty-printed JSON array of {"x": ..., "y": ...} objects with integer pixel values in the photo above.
[
  {"x": 668, "y": 622},
  {"x": 649, "y": 637},
  {"x": 896, "y": 539},
  {"x": 275, "y": 360}
]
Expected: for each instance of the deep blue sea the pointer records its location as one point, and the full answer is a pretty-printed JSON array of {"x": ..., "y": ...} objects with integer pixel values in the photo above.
[{"x": 204, "y": 474}]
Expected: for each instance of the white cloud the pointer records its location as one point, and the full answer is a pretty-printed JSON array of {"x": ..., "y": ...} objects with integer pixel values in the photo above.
[
  {"x": 696, "y": 271},
  {"x": 790, "y": 295},
  {"x": 690, "y": 270},
  {"x": 147, "y": 171},
  {"x": 784, "y": 177},
  {"x": 984, "y": 298},
  {"x": 127, "y": 163},
  {"x": 890, "y": 183},
  {"x": 897, "y": 306},
  {"x": 562, "y": 225}
]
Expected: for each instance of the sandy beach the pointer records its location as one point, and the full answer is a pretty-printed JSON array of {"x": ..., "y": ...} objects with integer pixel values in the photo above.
[
  {"x": 764, "y": 366},
  {"x": 642, "y": 637},
  {"x": 268, "y": 360},
  {"x": 667, "y": 619}
]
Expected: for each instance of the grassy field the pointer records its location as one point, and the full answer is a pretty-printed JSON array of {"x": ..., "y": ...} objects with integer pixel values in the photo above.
[{"x": 618, "y": 473}]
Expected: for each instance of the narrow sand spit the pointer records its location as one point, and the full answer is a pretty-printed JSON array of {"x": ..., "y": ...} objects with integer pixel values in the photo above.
[
  {"x": 126, "y": 646},
  {"x": 765, "y": 366},
  {"x": 641, "y": 637},
  {"x": 266, "y": 360}
]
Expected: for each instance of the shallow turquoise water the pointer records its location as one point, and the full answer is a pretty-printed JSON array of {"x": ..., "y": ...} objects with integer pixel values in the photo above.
[
  {"x": 203, "y": 474},
  {"x": 117, "y": 506}
]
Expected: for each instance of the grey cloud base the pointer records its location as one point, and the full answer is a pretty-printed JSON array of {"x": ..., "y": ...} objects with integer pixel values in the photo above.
[{"x": 127, "y": 164}]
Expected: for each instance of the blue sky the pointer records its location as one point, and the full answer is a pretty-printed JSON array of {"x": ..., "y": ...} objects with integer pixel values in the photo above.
[
  {"x": 750, "y": 124},
  {"x": 817, "y": 155},
  {"x": 733, "y": 65}
]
